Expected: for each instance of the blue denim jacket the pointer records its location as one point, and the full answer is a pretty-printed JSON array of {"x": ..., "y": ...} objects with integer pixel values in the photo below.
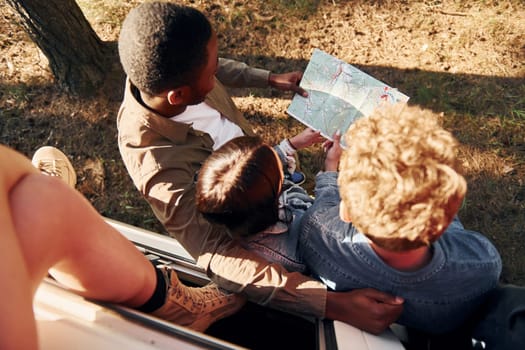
[
  {"x": 438, "y": 298},
  {"x": 278, "y": 243}
]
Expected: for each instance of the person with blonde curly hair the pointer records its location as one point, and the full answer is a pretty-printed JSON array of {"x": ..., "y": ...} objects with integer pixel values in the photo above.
[
  {"x": 384, "y": 217},
  {"x": 399, "y": 181},
  {"x": 388, "y": 220}
]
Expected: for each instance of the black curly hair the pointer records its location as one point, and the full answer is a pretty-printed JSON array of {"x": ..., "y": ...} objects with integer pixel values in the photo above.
[{"x": 163, "y": 45}]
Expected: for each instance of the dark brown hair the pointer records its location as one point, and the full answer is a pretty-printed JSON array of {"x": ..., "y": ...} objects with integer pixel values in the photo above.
[{"x": 238, "y": 186}]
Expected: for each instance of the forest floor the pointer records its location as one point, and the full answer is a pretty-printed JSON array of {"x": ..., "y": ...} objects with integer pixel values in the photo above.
[{"x": 464, "y": 60}]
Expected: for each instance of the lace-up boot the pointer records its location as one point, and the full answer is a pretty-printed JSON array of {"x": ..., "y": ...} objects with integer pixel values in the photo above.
[
  {"x": 51, "y": 161},
  {"x": 197, "y": 308}
]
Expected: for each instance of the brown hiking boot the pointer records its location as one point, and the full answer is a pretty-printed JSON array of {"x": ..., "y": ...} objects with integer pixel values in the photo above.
[
  {"x": 51, "y": 161},
  {"x": 194, "y": 307}
]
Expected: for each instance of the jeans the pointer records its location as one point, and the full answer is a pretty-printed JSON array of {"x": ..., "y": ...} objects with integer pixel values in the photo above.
[
  {"x": 439, "y": 297},
  {"x": 500, "y": 324}
]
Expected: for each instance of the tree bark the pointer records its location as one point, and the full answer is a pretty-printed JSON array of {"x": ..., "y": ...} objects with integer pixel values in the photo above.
[{"x": 78, "y": 58}]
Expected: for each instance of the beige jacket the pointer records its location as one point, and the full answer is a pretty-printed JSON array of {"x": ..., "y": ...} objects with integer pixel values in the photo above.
[{"x": 163, "y": 158}]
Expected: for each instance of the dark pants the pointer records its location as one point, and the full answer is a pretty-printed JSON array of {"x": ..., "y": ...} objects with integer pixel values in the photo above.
[
  {"x": 498, "y": 325},
  {"x": 502, "y": 322}
]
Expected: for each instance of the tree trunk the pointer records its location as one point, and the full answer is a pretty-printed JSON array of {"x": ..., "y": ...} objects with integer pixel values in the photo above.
[{"x": 77, "y": 57}]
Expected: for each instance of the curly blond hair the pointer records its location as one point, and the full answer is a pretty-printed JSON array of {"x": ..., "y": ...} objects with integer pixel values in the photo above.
[{"x": 398, "y": 179}]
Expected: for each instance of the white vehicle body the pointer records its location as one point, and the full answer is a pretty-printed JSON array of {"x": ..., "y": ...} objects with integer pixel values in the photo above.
[{"x": 68, "y": 321}]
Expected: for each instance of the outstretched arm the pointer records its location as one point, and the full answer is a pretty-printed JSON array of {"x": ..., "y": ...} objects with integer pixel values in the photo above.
[
  {"x": 288, "y": 82},
  {"x": 238, "y": 74},
  {"x": 306, "y": 138}
]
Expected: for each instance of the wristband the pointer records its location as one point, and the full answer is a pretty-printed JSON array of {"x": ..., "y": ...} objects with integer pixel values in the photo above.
[{"x": 287, "y": 147}]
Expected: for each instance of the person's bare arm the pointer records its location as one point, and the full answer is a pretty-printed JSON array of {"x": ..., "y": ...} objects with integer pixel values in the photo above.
[
  {"x": 306, "y": 138},
  {"x": 17, "y": 320},
  {"x": 333, "y": 152}
]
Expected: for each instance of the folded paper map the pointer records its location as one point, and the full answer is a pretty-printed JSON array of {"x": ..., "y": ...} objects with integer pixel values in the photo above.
[{"x": 338, "y": 94}]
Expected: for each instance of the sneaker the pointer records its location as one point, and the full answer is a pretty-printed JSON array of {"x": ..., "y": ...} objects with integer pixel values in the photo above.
[
  {"x": 51, "y": 161},
  {"x": 194, "y": 307},
  {"x": 297, "y": 177}
]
